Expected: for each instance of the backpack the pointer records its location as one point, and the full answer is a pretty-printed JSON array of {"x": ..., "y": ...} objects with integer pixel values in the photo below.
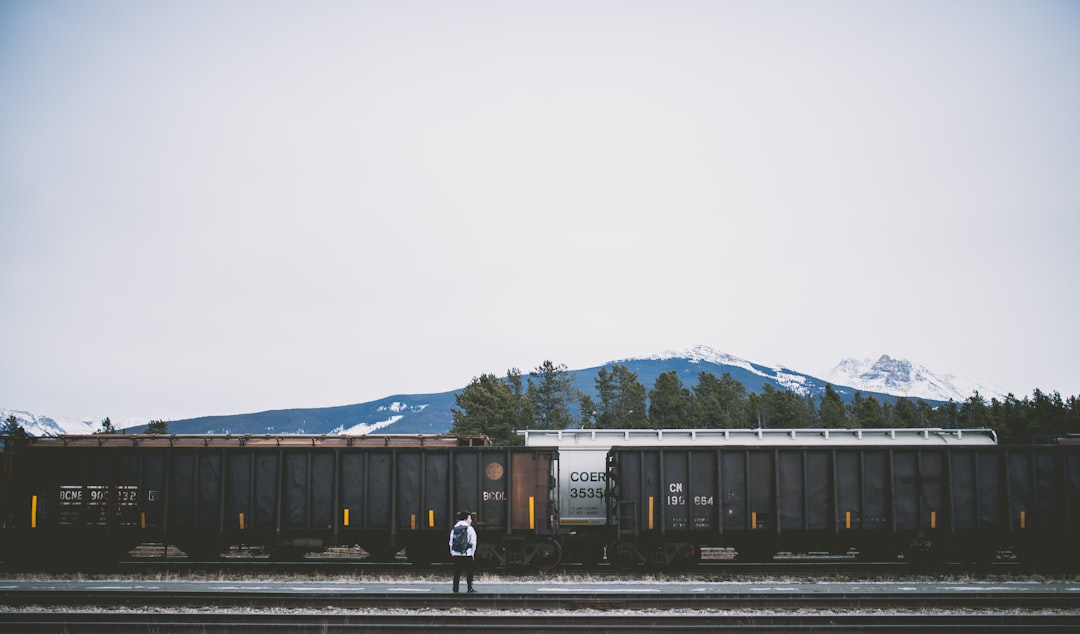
[{"x": 460, "y": 542}]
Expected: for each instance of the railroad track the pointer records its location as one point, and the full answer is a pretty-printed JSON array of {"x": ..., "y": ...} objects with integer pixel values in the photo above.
[
  {"x": 122, "y": 623},
  {"x": 579, "y": 598},
  {"x": 93, "y": 609},
  {"x": 794, "y": 567}
]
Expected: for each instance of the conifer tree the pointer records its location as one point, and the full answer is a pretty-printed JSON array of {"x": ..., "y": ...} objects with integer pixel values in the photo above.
[
  {"x": 551, "y": 396},
  {"x": 866, "y": 411},
  {"x": 833, "y": 413},
  {"x": 622, "y": 399},
  {"x": 719, "y": 403},
  {"x": 157, "y": 427},
  {"x": 521, "y": 414},
  {"x": 907, "y": 414},
  {"x": 12, "y": 428},
  {"x": 669, "y": 402},
  {"x": 487, "y": 407}
]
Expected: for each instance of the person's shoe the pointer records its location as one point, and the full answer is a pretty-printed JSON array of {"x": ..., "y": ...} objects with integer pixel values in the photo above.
[
  {"x": 472, "y": 591},
  {"x": 455, "y": 589}
]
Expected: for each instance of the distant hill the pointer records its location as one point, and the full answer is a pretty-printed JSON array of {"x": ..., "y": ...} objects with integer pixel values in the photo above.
[
  {"x": 431, "y": 413},
  {"x": 400, "y": 414},
  {"x": 884, "y": 378}
]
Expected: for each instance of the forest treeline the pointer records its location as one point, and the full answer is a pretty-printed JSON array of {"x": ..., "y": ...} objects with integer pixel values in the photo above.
[{"x": 547, "y": 399}]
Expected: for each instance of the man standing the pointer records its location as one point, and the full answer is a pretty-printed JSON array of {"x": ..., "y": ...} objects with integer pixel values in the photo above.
[{"x": 463, "y": 549}]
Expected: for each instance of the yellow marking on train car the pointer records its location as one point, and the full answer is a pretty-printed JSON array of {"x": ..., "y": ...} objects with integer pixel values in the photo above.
[
  {"x": 650, "y": 512},
  {"x": 532, "y": 512},
  {"x": 242, "y": 521},
  {"x": 142, "y": 519},
  {"x": 346, "y": 518},
  {"x": 412, "y": 521},
  {"x": 1023, "y": 519},
  {"x": 753, "y": 520},
  {"x": 847, "y": 519},
  {"x": 431, "y": 518},
  {"x": 933, "y": 519},
  {"x": 33, "y": 512}
]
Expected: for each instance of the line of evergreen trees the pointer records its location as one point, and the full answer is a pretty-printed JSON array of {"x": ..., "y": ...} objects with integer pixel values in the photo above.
[{"x": 547, "y": 399}]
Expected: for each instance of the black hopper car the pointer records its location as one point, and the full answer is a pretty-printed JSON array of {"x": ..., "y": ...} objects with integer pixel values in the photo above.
[
  {"x": 78, "y": 501},
  {"x": 925, "y": 503}
]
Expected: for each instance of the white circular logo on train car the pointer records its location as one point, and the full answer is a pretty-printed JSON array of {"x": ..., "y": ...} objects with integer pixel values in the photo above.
[{"x": 494, "y": 471}]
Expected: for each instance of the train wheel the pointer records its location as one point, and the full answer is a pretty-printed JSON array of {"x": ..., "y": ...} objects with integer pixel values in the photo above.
[
  {"x": 420, "y": 556},
  {"x": 686, "y": 558},
  {"x": 973, "y": 552},
  {"x": 544, "y": 554},
  {"x": 201, "y": 551},
  {"x": 490, "y": 557},
  {"x": 922, "y": 553},
  {"x": 285, "y": 553},
  {"x": 589, "y": 554},
  {"x": 1045, "y": 554},
  {"x": 624, "y": 555},
  {"x": 382, "y": 553}
]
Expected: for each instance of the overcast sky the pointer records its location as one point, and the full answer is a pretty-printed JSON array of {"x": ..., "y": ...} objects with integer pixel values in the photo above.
[{"x": 226, "y": 207}]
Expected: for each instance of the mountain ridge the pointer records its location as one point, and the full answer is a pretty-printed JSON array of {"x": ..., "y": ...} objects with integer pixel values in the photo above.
[{"x": 884, "y": 378}]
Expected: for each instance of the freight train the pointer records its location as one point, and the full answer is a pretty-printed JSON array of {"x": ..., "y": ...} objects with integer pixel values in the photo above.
[
  {"x": 82, "y": 501},
  {"x": 639, "y": 497}
]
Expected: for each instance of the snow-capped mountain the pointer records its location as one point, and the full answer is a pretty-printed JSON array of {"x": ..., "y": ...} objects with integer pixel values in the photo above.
[
  {"x": 901, "y": 377},
  {"x": 883, "y": 377},
  {"x": 36, "y": 425}
]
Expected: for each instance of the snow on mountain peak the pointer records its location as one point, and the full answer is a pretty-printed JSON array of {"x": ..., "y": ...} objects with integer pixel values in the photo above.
[
  {"x": 45, "y": 426},
  {"x": 901, "y": 377},
  {"x": 703, "y": 353},
  {"x": 882, "y": 374},
  {"x": 783, "y": 377}
]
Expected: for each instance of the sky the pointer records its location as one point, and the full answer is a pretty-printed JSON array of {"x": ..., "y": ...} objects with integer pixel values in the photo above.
[{"x": 236, "y": 206}]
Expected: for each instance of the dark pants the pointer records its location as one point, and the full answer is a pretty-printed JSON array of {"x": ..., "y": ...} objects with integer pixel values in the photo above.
[{"x": 463, "y": 564}]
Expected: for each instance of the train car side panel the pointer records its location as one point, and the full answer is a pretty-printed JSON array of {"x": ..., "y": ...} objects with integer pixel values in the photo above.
[
  {"x": 323, "y": 512},
  {"x": 436, "y": 491},
  {"x": 702, "y": 496},
  {"x": 733, "y": 485},
  {"x": 676, "y": 487},
  {"x": 533, "y": 507},
  {"x": 494, "y": 490},
  {"x": 793, "y": 511},
  {"x": 1072, "y": 484},
  {"x": 377, "y": 512},
  {"x": 762, "y": 491},
  {"x": 467, "y": 474}
]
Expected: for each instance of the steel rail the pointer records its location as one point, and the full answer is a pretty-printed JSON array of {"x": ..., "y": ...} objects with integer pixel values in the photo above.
[
  {"x": 120, "y": 623},
  {"x": 579, "y": 599},
  {"x": 795, "y": 567}
]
